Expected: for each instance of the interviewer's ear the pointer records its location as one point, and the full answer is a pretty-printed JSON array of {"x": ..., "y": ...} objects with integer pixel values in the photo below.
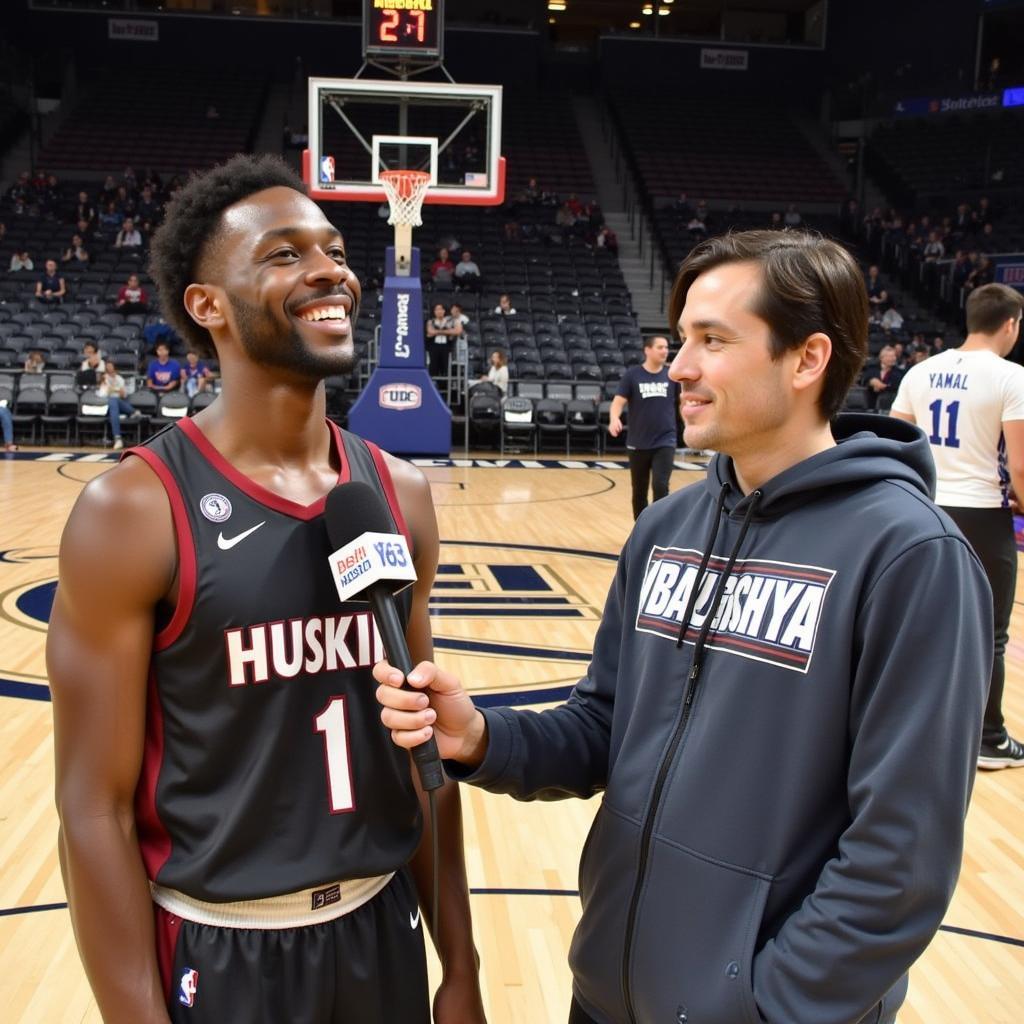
[{"x": 814, "y": 355}]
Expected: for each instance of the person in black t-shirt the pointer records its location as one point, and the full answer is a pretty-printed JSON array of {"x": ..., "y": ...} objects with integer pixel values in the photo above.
[{"x": 653, "y": 402}]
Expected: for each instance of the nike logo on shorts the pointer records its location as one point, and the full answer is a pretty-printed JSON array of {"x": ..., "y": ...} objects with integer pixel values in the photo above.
[
  {"x": 414, "y": 919},
  {"x": 226, "y": 544}
]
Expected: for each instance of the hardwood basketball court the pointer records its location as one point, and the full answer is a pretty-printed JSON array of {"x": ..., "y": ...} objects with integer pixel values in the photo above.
[{"x": 540, "y": 545}]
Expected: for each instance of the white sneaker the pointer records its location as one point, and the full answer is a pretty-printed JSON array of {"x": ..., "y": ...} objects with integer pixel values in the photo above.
[
  {"x": 1009, "y": 754},
  {"x": 118, "y": 444}
]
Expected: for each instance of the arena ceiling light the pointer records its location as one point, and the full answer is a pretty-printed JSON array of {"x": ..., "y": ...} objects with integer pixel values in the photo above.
[{"x": 556, "y": 5}]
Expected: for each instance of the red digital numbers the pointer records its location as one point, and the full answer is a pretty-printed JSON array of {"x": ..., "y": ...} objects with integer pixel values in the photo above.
[{"x": 389, "y": 22}]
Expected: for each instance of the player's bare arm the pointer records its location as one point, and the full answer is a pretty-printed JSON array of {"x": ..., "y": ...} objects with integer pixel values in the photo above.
[
  {"x": 117, "y": 562},
  {"x": 458, "y": 998}
]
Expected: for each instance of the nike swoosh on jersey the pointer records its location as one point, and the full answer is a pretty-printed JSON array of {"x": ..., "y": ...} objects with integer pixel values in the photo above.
[
  {"x": 227, "y": 543},
  {"x": 414, "y": 919}
]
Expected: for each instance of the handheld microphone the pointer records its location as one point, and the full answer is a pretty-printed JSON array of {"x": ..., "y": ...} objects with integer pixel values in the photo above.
[{"x": 372, "y": 563}]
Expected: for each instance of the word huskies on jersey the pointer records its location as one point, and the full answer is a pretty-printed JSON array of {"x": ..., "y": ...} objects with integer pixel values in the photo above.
[
  {"x": 769, "y": 610},
  {"x": 325, "y": 643}
]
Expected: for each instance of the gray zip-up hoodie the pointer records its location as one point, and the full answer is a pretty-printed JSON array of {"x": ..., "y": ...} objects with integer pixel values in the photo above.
[{"x": 785, "y": 783}]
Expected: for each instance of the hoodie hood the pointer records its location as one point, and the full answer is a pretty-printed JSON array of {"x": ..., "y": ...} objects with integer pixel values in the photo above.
[{"x": 869, "y": 447}]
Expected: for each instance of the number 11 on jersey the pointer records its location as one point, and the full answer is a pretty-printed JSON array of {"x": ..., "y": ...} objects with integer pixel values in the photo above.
[
  {"x": 333, "y": 724},
  {"x": 952, "y": 412}
]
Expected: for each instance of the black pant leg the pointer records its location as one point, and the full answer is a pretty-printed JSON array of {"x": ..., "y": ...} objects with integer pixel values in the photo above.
[
  {"x": 578, "y": 1016},
  {"x": 640, "y": 476},
  {"x": 990, "y": 532},
  {"x": 381, "y": 962},
  {"x": 661, "y": 466}
]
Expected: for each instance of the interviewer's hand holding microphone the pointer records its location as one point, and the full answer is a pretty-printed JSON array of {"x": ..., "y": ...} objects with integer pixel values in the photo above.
[{"x": 436, "y": 705}]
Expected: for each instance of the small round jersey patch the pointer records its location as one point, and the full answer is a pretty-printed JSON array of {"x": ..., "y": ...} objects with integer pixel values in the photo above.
[{"x": 215, "y": 507}]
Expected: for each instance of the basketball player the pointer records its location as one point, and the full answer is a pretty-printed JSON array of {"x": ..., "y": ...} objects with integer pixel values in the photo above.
[
  {"x": 784, "y": 703},
  {"x": 651, "y": 436},
  {"x": 970, "y": 401},
  {"x": 235, "y": 827}
]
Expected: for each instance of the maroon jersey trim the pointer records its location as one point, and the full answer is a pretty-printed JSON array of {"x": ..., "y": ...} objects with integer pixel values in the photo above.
[
  {"x": 389, "y": 490},
  {"x": 186, "y": 550},
  {"x": 168, "y": 928},
  {"x": 156, "y": 846},
  {"x": 257, "y": 492}
]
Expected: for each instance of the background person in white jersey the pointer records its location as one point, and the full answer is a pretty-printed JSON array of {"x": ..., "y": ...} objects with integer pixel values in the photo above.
[
  {"x": 970, "y": 403},
  {"x": 651, "y": 435}
]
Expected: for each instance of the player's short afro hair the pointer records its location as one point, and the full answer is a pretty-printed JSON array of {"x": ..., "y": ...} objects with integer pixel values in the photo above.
[{"x": 191, "y": 222}]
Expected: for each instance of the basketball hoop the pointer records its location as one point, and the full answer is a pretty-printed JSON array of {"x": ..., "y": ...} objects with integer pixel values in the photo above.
[{"x": 405, "y": 191}]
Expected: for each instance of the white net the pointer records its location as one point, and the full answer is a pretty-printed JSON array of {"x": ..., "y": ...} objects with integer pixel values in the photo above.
[{"x": 405, "y": 191}]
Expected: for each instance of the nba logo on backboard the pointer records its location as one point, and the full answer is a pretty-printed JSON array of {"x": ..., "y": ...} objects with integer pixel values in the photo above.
[
  {"x": 189, "y": 984},
  {"x": 327, "y": 168},
  {"x": 400, "y": 396}
]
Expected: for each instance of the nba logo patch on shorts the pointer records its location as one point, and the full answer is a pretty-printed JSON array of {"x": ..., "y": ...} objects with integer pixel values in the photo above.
[{"x": 189, "y": 984}]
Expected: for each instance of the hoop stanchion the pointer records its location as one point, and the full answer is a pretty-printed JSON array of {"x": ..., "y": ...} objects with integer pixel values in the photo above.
[{"x": 405, "y": 191}]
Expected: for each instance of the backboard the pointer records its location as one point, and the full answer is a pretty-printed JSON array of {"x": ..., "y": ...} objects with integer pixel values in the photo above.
[{"x": 361, "y": 126}]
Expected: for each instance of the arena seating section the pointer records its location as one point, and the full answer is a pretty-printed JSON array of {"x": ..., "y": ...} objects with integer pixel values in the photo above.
[
  {"x": 157, "y": 117},
  {"x": 716, "y": 149}
]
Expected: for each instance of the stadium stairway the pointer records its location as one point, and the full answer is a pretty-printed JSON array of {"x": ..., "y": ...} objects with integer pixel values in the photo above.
[{"x": 634, "y": 258}]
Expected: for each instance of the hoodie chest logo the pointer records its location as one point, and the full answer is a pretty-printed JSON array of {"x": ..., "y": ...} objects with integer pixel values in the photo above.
[{"x": 770, "y": 611}]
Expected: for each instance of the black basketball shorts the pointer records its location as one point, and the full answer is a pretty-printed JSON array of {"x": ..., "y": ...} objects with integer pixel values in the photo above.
[{"x": 366, "y": 967}]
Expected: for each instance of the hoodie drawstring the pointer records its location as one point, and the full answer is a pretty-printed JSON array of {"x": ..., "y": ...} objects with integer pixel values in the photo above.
[{"x": 698, "y": 652}]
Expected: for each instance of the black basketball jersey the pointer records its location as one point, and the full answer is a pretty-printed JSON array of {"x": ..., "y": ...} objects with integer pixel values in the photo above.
[{"x": 266, "y": 767}]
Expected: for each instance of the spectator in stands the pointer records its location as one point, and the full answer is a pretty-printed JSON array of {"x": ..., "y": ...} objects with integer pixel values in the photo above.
[
  {"x": 565, "y": 220},
  {"x": 163, "y": 373},
  {"x": 938, "y": 344},
  {"x": 504, "y": 306},
  {"x": 512, "y": 230},
  {"x": 20, "y": 260},
  {"x": 606, "y": 239},
  {"x": 111, "y": 386},
  {"x": 891, "y": 320},
  {"x": 877, "y": 294},
  {"x": 128, "y": 237},
  {"x": 917, "y": 353},
  {"x": 881, "y": 376},
  {"x": 195, "y": 375},
  {"x": 458, "y": 316},
  {"x": 110, "y": 220},
  {"x": 148, "y": 208},
  {"x": 132, "y": 297},
  {"x": 697, "y": 228},
  {"x": 76, "y": 252},
  {"x": 50, "y": 288},
  {"x": 531, "y": 194},
  {"x": 7, "y": 428},
  {"x": 19, "y": 193},
  {"x": 84, "y": 210},
  {"x": 34, "y": 362},
  {"x": 442, "y": 269},
  {"x": 683, "y": 209},
  {"x": 467, "y": 273},
  {"x": 776, "y": 223},
  {"x": 453, "y": 245},
  {"x": 983, "y": 273},
  {"x": 440, "y": 331},
  {"x": 90, "y": 370},
  {"x": 989, "y": 242},
  {"x": 962, "y": 266},
  {"x": 792, "y": 218},
  {"x": 108, "y": 193},
  {"x": 497, "y": 372},
  {"x": 84, "y": 228}
]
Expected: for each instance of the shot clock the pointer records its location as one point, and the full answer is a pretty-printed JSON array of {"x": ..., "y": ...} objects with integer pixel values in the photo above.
[{"x": 403, "y": 28}]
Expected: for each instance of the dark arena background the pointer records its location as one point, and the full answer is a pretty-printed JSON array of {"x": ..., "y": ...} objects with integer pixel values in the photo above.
[{"x": 630, "y": 131}]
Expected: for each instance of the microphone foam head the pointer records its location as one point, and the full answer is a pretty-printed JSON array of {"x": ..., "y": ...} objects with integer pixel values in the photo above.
[{"x": 352, "y": 509}]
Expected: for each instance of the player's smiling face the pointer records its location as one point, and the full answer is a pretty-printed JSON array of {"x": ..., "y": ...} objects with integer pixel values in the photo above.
[{"x": 292, "y": 299}]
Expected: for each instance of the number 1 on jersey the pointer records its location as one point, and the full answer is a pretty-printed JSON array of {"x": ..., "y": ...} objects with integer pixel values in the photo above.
[
  {"x": 333, "y": 724},
  {"x": 952, "y": 412}
]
